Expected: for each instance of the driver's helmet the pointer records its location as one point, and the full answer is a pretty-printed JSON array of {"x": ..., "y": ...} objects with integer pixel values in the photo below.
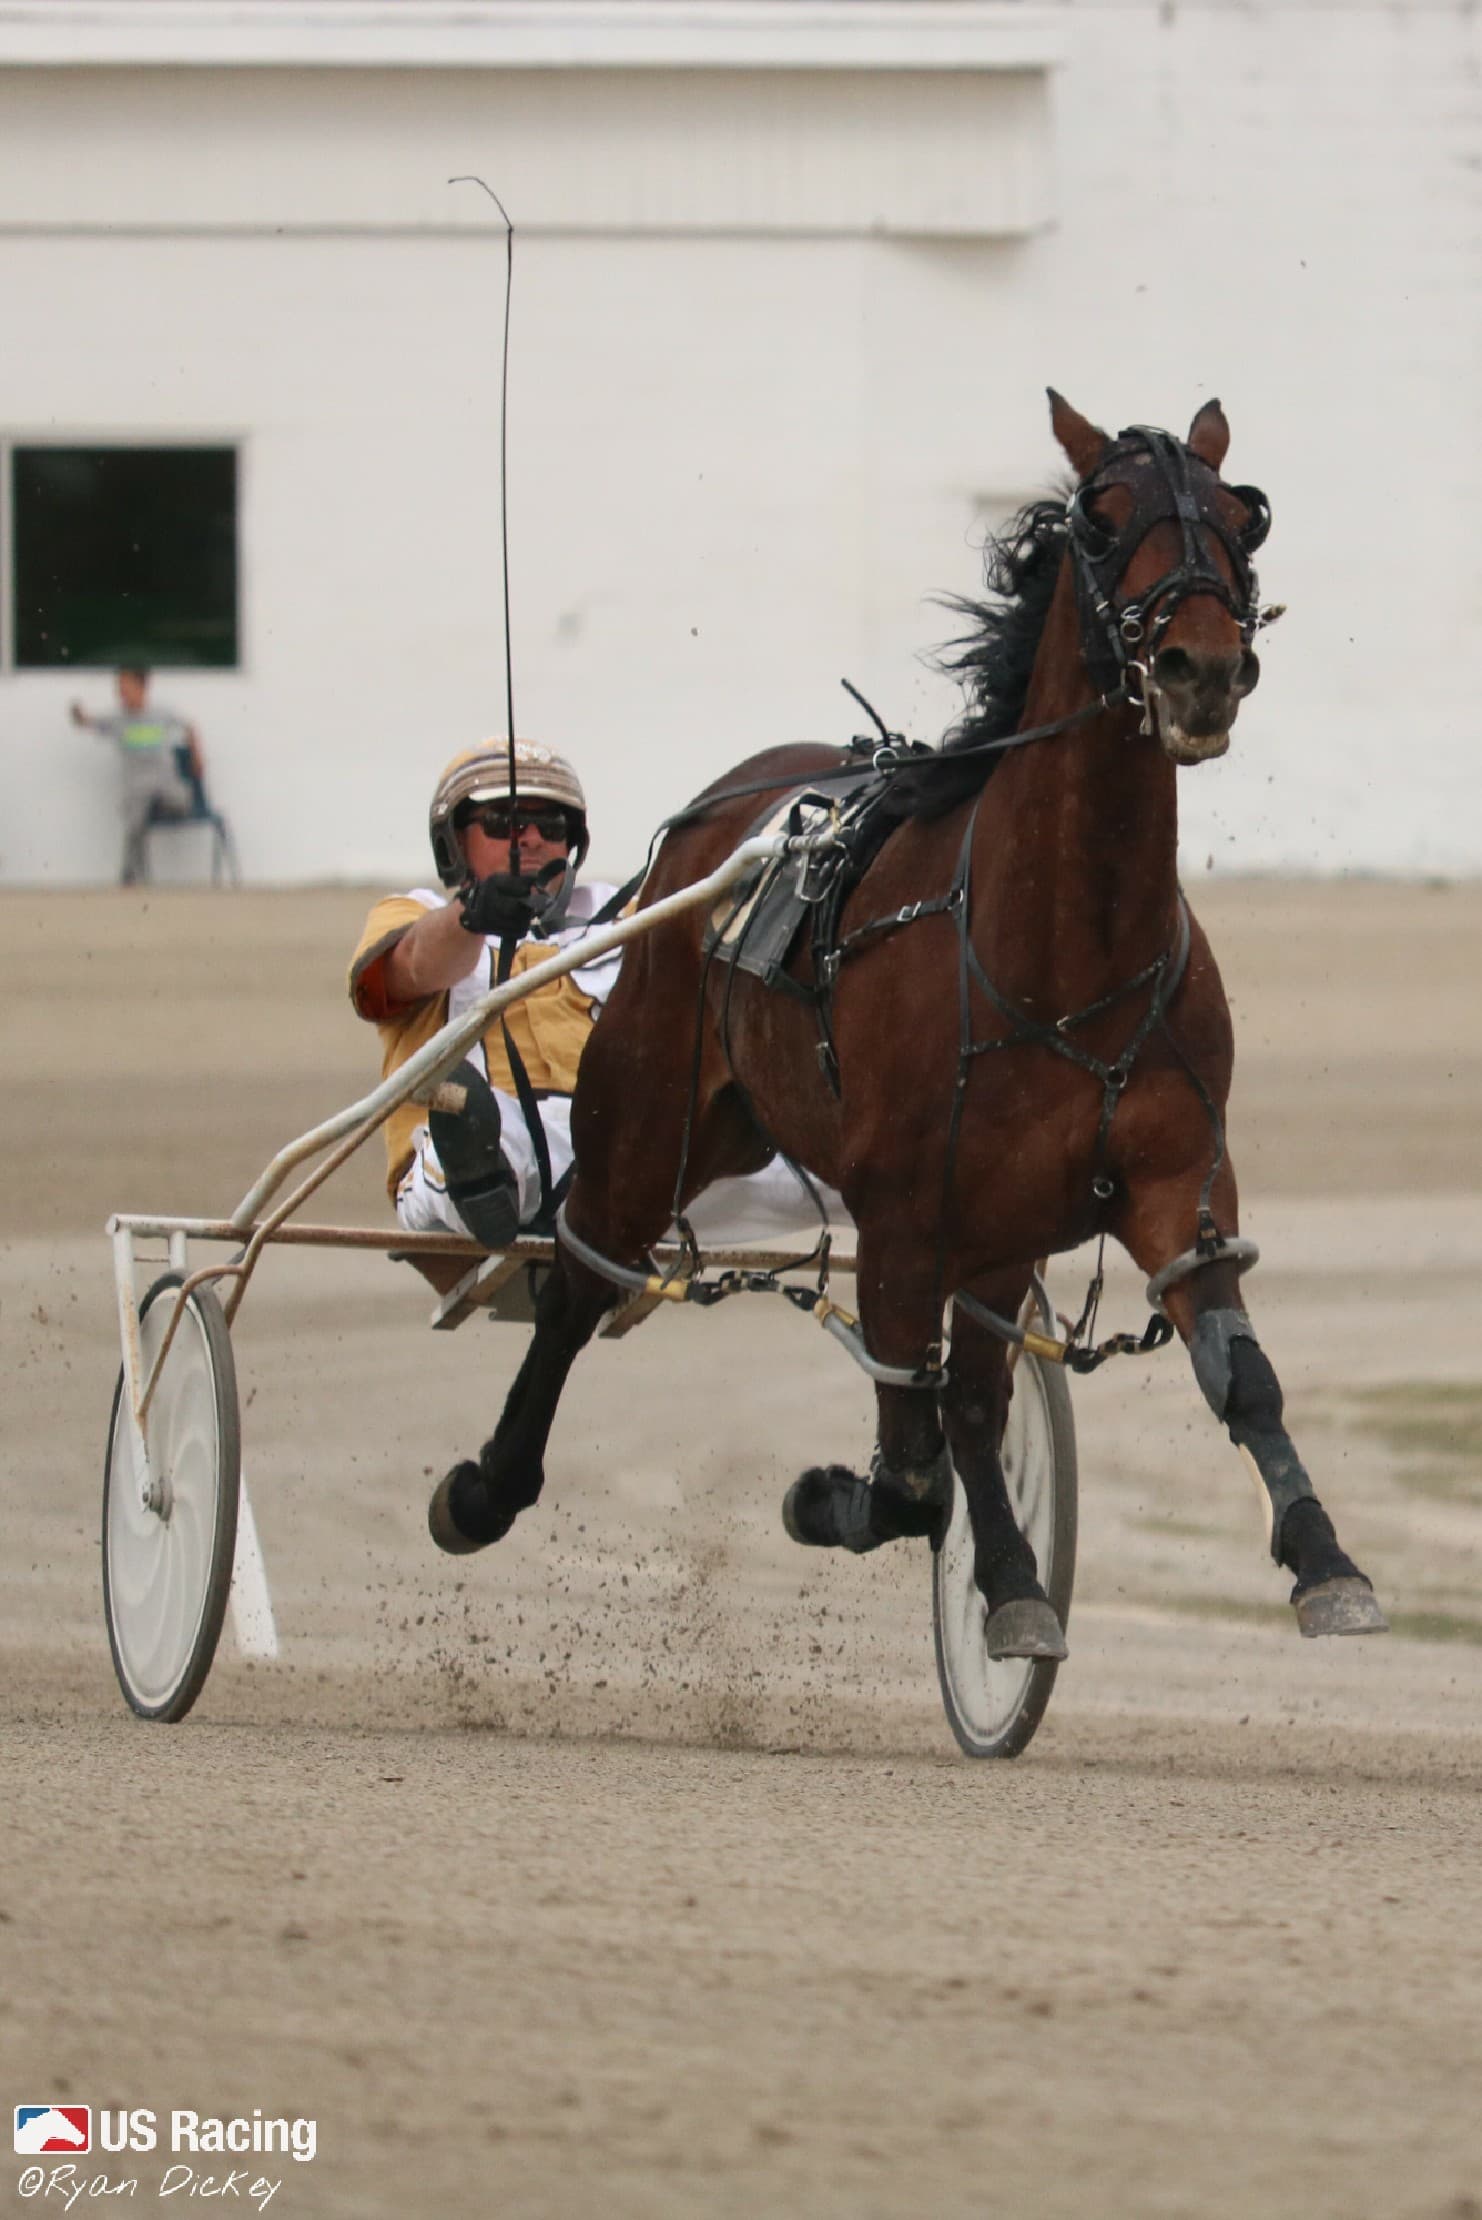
[{"x": 482, "y": 775}]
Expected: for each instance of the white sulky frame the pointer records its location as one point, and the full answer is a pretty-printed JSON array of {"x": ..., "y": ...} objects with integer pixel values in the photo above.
[{"x": 252, "y": 1225}]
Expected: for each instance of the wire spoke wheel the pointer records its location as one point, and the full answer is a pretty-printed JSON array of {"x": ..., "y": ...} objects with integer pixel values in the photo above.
[
  {"x": 993, "y": 1705},
  {"x": 167, "y": 1564}
]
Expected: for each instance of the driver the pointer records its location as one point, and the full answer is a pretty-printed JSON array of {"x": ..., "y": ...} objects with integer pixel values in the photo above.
[{"x": 493, "y": 1155}]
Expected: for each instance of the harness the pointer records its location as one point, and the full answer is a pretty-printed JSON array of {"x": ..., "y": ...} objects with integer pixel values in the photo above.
[{"x": 1119, "y": 643}]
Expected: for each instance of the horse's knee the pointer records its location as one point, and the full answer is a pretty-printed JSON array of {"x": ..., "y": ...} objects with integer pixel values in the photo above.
[{"x": 1241, "y": 1388}]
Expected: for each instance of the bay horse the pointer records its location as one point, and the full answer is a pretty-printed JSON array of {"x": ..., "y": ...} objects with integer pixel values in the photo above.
[{"x": 1030, "y": 1042}]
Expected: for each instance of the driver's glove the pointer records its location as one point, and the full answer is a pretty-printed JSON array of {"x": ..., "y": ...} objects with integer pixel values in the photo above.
[{"x": 503, "y": 905}]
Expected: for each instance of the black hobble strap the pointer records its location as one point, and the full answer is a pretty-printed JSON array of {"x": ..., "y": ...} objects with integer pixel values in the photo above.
[{"x": 550, "y": 1196}]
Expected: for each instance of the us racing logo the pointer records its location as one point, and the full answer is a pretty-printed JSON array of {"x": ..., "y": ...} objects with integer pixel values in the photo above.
[{"x": 53, "y": 2127}]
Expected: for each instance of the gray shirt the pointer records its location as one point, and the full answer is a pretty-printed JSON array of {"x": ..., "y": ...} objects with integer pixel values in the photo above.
[
  {"x": 146, "y": 740},
  {"x": 148, "y": 731}
]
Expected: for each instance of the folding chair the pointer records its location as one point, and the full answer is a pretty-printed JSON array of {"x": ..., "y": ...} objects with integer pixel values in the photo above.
[{"x": 223, "y": 847}]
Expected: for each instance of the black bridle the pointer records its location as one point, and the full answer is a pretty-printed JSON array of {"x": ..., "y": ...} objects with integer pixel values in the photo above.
[{"x": 1120, "y": 639}]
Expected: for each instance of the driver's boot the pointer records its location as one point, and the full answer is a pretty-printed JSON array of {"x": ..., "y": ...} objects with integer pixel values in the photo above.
[{"x": 466, "y": 1130}]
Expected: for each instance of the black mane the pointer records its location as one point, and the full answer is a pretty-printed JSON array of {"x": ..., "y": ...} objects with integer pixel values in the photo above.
[{"x": 994, "y": 660}]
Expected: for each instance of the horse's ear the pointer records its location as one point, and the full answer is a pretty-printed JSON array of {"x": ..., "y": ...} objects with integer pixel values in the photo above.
[
  {"x": 1209, "y": 435},
  {"x": 1084, "y": 442}
]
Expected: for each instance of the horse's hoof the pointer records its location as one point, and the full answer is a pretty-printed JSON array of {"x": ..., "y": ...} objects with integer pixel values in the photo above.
[
  {"x": 1027, "y": 1627},
  {"x": 1346, "y": 1606},
  {"x": 443, "y": 1526},
  {"x": 795, "y": 1509},
  {"x": 829, "y": 1508}
]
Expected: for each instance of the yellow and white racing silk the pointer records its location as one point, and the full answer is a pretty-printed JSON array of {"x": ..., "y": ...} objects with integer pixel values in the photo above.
[{"x": 549, "y": 1027}]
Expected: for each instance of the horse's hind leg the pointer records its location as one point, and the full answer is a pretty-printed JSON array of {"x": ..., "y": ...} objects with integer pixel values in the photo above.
[
  {"x": 619, "y": 1207},
  {"x": 618, "y": 1204},
  {"x": 630, "y": 1138},
  {"x": 1330, "y": 1594},
  {"x": 478, "y": 1502}
]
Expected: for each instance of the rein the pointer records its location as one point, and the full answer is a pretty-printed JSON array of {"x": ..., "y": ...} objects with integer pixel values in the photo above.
[{"x": 894, "y": 755}]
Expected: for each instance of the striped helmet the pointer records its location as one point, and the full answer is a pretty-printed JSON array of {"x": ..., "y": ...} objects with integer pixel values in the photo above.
[{"x": 482, "y": 775}]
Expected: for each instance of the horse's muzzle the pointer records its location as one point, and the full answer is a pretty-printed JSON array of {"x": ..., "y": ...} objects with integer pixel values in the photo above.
[{"x": 1196, "y": 698}]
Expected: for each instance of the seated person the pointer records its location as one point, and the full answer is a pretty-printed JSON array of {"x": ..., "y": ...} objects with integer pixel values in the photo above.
[
  {"x": 472, "y": 1164},
  {"x": 147, "y": 739}
]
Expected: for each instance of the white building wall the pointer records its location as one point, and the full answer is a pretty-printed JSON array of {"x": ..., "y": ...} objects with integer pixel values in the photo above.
[
  {"x": 714, "y": 332},
  {"x": 611, "y": 150},
  {"x": 700, "y": 546},
  {"x": 1282, "y": 204},
  {"x": 763, "y": 391}
]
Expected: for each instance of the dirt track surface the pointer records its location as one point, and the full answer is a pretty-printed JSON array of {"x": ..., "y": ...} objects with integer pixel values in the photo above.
[{"x": 630, "y": 1868}]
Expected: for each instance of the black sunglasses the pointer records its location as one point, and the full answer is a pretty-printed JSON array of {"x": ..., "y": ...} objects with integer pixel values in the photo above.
[{"x": 501, "y": 822}]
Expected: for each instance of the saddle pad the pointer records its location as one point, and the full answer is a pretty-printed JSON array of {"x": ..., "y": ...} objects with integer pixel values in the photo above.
[{"x": 756, "y": 923}]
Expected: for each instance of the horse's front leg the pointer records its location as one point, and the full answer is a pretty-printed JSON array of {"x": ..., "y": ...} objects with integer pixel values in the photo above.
[{"x": 1330, "y": 1595}]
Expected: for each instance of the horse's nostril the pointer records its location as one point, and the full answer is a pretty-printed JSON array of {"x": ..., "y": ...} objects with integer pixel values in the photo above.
[
  {"x": 1248, "y": 676},
  {"x": 1173, "y": 666}
]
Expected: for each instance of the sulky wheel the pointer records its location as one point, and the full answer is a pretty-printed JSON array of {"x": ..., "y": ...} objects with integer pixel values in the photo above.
[
  {"x": 167, "y": 1563},
  {"x": 993, "y": 1705}
]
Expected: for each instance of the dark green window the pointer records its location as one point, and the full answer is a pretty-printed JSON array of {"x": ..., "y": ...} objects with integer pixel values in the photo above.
[{"x": 124, "y": 555}]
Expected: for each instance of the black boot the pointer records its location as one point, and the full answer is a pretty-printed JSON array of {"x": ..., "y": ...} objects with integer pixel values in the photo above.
[
  {"x": 830, "y": 1507},
  {"x": 480, "y": 1181}
]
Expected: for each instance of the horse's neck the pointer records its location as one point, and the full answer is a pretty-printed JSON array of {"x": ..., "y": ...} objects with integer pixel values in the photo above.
[{"x": 1094, "y": 855}]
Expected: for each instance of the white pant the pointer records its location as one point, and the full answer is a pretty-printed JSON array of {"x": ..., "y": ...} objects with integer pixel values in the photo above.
[{"x": 764, "y": 1207}]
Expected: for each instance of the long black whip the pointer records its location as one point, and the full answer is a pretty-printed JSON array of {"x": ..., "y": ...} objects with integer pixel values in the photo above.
[{"x": 509, "y": 659}]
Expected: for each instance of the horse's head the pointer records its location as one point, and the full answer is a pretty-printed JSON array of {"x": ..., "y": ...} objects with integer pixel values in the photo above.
[{"x": 1161, "y": 550}]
